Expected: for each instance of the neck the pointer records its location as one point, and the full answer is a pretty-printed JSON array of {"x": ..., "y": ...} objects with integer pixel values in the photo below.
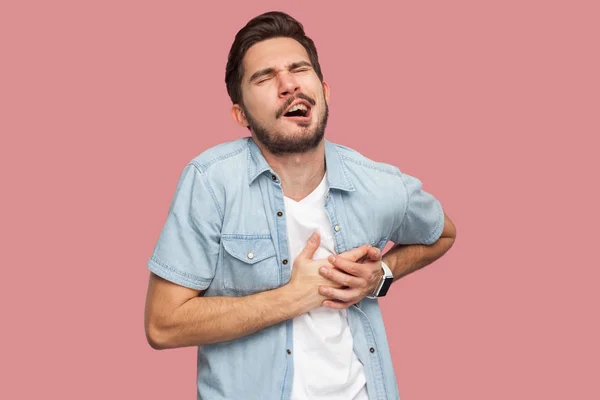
[{"x": 300, "y": 174}]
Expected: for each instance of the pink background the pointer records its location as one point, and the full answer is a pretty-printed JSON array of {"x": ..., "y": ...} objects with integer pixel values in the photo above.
[{"x": 493, "y": 105}]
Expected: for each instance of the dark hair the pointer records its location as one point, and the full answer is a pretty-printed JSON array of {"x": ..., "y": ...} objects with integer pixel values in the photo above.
[{"x": 265, "y": 26}]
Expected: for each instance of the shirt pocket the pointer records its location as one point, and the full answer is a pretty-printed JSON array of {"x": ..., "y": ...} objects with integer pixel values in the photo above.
[{"x": 249, "y": 264}]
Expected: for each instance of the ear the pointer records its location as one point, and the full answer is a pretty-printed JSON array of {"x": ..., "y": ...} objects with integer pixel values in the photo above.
[
  {"x": 326, "y": 91},
  {"x": 238, "y": 115}
]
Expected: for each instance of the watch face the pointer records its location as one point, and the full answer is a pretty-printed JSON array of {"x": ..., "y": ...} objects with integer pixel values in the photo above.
[{"x": 386, "y": 285}]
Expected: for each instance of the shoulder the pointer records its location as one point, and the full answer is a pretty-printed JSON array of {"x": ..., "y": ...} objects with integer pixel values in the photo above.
[
  {"x": 221, "y": 155},
  {"x": 354, "y": 160},
  {"x": 374, "y": 176}
]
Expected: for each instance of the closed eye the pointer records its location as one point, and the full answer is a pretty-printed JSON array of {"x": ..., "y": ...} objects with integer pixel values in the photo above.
[{"x": 263, "y": 80}]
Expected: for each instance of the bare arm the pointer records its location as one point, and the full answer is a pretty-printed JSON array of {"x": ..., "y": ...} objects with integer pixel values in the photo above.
[
  {"x": 179, "y": 317},
  {"x": 405, "y": 259}
]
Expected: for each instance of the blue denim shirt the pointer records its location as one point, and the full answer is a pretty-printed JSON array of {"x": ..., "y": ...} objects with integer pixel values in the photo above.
[{"x": 226, "y": 206}]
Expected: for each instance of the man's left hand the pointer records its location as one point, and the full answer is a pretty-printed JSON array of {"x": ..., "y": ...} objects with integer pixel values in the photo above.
[{"x": 359, "y": 277}]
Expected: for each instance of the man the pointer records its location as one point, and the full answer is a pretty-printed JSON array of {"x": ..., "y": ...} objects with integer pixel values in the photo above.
[{"x": 270, "y": 258}]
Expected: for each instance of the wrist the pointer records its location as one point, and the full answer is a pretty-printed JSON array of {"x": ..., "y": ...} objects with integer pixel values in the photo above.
[
  {"x": 295, "y": 300},
  {"x": 384, "y": 282}
]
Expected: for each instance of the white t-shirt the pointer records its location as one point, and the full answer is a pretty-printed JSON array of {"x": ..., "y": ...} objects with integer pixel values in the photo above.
[{"x": 325, "y": 366}]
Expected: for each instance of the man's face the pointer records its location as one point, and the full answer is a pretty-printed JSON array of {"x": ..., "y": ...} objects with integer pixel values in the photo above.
[{"x": 284, "y": 102}]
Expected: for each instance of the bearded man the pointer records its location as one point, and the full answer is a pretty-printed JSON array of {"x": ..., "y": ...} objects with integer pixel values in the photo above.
[{"x": 270, "y": 260}]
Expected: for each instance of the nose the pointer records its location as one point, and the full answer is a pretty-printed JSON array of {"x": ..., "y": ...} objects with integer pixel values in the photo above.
[{"x": 288, "y": 85}]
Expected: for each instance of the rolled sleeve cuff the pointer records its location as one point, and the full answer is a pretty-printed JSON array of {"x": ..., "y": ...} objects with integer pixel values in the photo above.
[
  {"x": 439, "y": 226},
  {"x": 176, "y": 276}
]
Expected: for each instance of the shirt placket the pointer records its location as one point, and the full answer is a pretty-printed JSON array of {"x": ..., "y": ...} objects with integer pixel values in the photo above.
[
  {"x": 278, "y": 226},
  {"x": 338, "y": 234},
  {"x": 371, "y": 360}
]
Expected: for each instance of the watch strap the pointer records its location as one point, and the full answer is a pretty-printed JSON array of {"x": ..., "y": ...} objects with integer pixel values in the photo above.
[{"x": 384, "y": 282}]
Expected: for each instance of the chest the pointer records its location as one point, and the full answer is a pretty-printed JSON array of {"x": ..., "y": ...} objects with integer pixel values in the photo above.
[{"x": 261, "y": 236}]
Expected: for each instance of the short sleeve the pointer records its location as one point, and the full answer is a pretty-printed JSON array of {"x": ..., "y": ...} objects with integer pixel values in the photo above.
[
  {"x": 188, "y": 246},
  {"x": 423, "y": 217}
]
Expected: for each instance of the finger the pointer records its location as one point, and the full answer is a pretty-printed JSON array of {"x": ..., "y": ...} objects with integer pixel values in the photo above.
[
  {"x": 312, "y": 245},
  {"x": 348, "y": 266},
  {"x": 337, "y": 305},
  {"x": 356, "y": 253},
  {"x": 374, "y": 254},
  {"x": 344, "y": 295},
  {"x": 342, "y": 278}
]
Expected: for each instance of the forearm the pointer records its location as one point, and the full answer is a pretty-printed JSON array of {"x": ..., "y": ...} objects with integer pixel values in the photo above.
[
  {"x": 206, "y": 320},
  {"x": 405, "y": 259}
]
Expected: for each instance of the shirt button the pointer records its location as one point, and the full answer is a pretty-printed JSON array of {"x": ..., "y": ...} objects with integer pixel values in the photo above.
[
  {"x": 285, "y": 262},
  {"x": 289, "y": 351},
  {"x": 337, "y": 228},
  {"x": 273, "y": 177},
  {"x": 251, "y": 255},
  {"x": 279, "y": 213},
  {"x": 372, "y": 350}
]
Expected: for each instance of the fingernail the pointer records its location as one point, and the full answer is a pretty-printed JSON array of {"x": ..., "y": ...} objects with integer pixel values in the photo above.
[
  {"x": 323, "y": 270},
  {"x": 313, "y": 237},
  {"x": 332, "y": 259}
]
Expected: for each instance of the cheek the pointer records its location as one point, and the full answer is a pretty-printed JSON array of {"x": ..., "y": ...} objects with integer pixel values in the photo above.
[
  {"x": 254, "y": 112},
  {"x": 258, "y": 106},
  {"x": 313, "y": 84}
]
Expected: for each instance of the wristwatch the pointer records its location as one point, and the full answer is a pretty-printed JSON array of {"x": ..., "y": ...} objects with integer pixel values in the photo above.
[{"x": 384, "y": 283}]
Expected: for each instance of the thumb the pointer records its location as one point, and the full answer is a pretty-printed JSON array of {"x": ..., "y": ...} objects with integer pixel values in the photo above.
[
  {"x": 356, "y": 254},
  {"x": 374, "y": 254},
  {"x": 312, "y": 245},
  {"x": 362, "y": 254}
]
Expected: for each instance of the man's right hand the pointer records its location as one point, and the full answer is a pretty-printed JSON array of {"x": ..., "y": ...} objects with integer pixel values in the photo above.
[{"x": 305, "y": 279}]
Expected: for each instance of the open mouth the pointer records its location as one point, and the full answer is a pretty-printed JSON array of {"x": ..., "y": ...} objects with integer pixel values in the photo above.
[{"x": 299, "y": 111}]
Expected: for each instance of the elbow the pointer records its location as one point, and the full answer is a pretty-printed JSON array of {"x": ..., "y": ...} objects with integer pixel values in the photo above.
[
  {"x": 449, "y": 230},
  {"x": 156, "y": 339},
  {"x": 158, "y": 336}
]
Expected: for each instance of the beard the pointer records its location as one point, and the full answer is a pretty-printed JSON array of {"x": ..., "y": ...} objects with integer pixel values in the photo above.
[{"x": 278, "y": 143}]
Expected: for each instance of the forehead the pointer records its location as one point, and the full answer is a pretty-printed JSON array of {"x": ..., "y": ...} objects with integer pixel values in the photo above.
[{"x": 273, "y": 53}]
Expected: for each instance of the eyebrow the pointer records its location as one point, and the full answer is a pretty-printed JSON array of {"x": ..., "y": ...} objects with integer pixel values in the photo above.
[{"x": 270, "y": 70}]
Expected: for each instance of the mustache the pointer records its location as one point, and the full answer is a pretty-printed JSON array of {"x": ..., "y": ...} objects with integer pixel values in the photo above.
[{"x": 290, "y": 100}]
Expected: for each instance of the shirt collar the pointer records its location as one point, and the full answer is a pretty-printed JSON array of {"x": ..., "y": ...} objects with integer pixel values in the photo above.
[{"x": 337, "y": 176}]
